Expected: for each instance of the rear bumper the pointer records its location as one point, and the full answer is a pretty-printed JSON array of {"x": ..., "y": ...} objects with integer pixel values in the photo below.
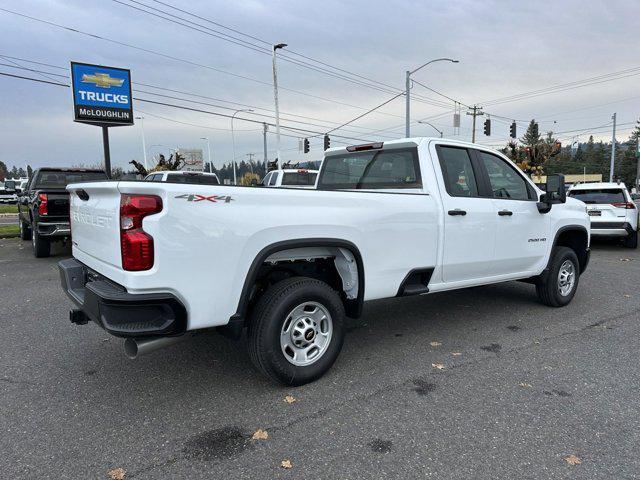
[
  {"x": 53, "y": 229},
  {"x": 611, "y": 229},
  {"x": 120, "y": 313}
]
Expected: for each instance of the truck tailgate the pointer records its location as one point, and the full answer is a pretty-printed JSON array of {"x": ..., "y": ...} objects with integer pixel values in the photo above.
[{"x": 95, "y": 216}]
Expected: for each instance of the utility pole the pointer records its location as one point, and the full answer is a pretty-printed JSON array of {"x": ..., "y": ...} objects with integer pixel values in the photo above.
[
  {"x": 275, "y": 99},
  {"x": 107, "y": 153},
  {"x": 251, "y": 155},
  {"x": 613, "y": 149},
  {"x": 638, "y": 166},
  {"x": 476, "y": 111},
  {"x": 264, "y": 145}
]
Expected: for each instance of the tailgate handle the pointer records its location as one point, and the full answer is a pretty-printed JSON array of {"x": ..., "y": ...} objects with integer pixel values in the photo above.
[{"x": 82, "y": 194}]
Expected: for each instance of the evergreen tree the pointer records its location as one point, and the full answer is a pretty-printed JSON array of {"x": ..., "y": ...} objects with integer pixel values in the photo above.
[{"x": 531, "y": 137}]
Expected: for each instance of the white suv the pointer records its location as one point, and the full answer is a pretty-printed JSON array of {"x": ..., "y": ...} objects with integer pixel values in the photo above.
[{"x": 611, "y": 210}]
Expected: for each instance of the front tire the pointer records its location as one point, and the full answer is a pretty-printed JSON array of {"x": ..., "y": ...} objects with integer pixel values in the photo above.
[
  {"x": 632, "y": 240},
  {"x": 25, "y": 231},
  {"x": 41, "y": 246},
  {"x": 296, "y": 331},
  {"x": 558, "y": 285}
]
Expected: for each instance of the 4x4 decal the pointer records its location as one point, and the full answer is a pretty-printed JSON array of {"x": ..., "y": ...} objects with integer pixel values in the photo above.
[{"x": 194, "y": 197}]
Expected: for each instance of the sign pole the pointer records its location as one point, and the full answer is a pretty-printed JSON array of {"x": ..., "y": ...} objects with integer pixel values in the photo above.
[{"x": 107, "y": 154}]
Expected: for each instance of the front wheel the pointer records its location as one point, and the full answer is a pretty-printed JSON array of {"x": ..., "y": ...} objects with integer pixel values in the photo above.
[
  {"x": 296, "y": 331},
  {"x": 558, "y": 285},
  {"x": 25, "y": 231}
]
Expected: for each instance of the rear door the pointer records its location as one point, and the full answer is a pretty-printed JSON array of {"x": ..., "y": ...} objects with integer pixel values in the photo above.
[
  {"x": 470, "y": 219},
  {"x": 522, "y": 231}
]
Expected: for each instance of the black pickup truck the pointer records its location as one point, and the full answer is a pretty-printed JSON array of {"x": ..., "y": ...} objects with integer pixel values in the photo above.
[{"x": 43, "y": 206}]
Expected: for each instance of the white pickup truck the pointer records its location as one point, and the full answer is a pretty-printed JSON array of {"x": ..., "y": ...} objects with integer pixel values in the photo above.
[{"x": 153, "y": 261}]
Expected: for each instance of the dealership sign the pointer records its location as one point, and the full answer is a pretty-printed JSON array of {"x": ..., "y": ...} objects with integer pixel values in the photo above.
[{"x": 101, "y": 95}]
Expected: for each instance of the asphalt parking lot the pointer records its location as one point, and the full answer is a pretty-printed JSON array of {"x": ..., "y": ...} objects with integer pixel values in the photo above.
[{"x": 522, "y": 387}]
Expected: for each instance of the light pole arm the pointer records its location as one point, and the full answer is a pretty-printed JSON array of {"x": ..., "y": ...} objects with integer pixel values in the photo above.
[{"x": 432, "y": 61}]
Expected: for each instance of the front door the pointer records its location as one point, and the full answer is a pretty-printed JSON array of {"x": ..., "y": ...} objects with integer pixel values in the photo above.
[
  {"x": 522, "y": 231},
  {"x": 470, "y": 220}
]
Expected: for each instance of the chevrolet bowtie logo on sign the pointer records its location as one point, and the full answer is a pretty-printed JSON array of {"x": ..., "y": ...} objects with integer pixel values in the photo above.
[
  {"x": 102, "y": 80},
  {"x": 101, "y": 95}
]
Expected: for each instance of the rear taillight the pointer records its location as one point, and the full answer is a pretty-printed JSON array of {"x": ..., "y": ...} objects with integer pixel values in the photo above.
[
  {"x": 627, "y": 205},
  {"x": 136, "y": 245},
  {"x": 43, "y": 207}
]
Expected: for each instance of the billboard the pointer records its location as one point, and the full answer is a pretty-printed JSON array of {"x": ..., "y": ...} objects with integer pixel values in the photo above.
[
  {"x": 193, "y": 159},
  {"x": 101, "y": 95}
]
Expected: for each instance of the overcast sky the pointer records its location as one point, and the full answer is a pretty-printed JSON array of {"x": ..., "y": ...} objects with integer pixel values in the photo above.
[{"x": 504, "y": 48}]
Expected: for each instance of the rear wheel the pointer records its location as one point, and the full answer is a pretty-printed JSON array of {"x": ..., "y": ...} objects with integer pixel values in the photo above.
[
  {"x": 632, "y": 240},
  {"x": 41, "y": 246},
  {"x": 296, "y": 331},
  {"x": 25, "y": 231},
  {"x": 558, "y": 285}
]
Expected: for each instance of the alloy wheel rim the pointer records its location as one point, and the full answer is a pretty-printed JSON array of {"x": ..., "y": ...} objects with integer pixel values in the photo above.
[
  {"x": 306, "y": 334},
  {"x": 566, "y": 278}
]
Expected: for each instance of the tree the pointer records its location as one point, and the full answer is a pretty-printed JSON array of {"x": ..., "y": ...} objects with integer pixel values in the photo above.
[
  {"x": 175, "y": 162},
  {"x": 531, "y": 137},
  {"x": 534, "y": 152},
  {"x": 3, "y": 171},
  {"x": 29, "y": 171}
]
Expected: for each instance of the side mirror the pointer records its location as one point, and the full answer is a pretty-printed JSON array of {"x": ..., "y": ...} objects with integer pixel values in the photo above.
[{"x": 555, "y": 192}]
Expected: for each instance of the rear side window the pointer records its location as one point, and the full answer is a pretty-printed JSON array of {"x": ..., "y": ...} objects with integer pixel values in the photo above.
[
  {"x": 602, "y": 195},
  {"x": 371, "y": 170},
  {"x": 505, "y": 181},
  {"x": 299, "y": 178},
  {"x": 273, "y": 179},
  {"x": 457, "y": 170},
  {"x": 192, "y": 179}
]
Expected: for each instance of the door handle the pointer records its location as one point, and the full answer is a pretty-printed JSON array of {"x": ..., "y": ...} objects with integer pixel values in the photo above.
[
  {"x": 457, "y": 212},
  {"x": 505, "y": 213}
]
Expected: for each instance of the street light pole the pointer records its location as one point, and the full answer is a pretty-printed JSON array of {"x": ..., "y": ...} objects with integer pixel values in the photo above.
[
  {"x": 408, "y": 90},
  {"x": 432, "y": 126},
  {"x": 209, "y": 152},
  {"x": 275, "y": 99},
  {"x": 233, "y": 142},
  {"x": 144, "y": 144}
]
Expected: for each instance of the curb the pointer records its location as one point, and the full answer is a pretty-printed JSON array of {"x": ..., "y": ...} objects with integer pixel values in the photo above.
[{"x": 9, "y": 215}]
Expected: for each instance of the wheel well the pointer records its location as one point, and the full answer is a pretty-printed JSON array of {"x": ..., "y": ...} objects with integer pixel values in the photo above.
[
  {"x": 577, "y": 240},
  {"x": 335, "y": 262}
]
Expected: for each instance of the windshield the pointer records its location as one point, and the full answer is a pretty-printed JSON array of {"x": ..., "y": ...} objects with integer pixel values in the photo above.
[
  {"x": 193, "y": 179},
  {"x": 299, "y": 178},
  {"x": 372, "y": 169},
  {"x": 603, "y": 195},
  {"x": 9, "y": 184},
  {"x": 62, "y": 179}
]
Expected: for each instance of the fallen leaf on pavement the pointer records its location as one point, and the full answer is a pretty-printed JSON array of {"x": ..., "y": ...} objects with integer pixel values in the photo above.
[
  {"x": 289, "y": 399},
  {"x": 435, "y": 344},
  {"x": 625, "y": 259},
  {"x": 525, "y": 385},
  {"x": 626, "y": 295},
  {"x": 116, "y": 474},
  {"x": 456, "y": 354},
  {"x": 439, "y": 366},
  {"x": 286, "y": 464},
  {"x": 572, "y": 460},
  {"x": 260, "y": 435}
]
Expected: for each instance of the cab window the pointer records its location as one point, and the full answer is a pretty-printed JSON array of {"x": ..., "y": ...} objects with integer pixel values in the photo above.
[
  {"x": 505, "y": 181},
  {"x": 457, "y": 170},
  {"x": 273, "y": 179}
]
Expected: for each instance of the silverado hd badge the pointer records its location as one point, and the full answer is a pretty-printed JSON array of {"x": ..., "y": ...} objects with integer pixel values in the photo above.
[{"x": 194, "y": 197}]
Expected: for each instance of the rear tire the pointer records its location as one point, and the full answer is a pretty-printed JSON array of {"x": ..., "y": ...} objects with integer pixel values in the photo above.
[
  {"x": 632, "y": 240},
  {"x": 41, "y": 246},
  {"x": 296, "y": 331},
  {"x": 557, "y": 286},
  {"x": 25, "y": 231}
]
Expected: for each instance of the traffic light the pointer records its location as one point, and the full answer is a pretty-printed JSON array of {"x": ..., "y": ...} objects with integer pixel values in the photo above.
[
  {"x": 512, "y": 130},
  {"x": 535, "y": 129},
  {"x": 306, "y": 145},
  {"x": 327, "y": 142},
  {"x": 487, "y": 127}
]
